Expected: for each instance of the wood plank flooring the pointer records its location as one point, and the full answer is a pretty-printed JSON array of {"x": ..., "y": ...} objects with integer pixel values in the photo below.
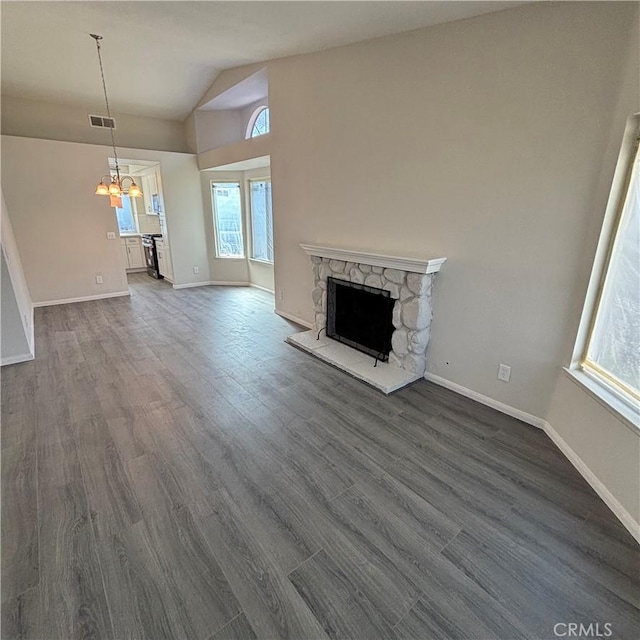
[{"x": 172, "y": 469}]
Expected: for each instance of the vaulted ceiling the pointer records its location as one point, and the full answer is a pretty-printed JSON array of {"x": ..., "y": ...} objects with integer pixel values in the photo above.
[{"x": 160, "y": 57}]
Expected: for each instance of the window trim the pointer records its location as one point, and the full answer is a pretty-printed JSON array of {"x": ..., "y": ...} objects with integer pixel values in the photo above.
[
  {"x": 215, "y": 222},
  {"x": 598, "y": 382},
  {"x": 250, "y": 219},
  {"x": 252, "y": 120}
]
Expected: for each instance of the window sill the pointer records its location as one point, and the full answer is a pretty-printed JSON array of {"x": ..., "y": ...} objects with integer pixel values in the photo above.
[
  {"x": 268, "y": 263},
  {"x": 237, "y": 258},
  {"x": 621, "y": 409}
]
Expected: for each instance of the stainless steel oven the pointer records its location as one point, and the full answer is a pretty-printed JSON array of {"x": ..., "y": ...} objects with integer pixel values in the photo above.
[{"x": 151, "y": 255}]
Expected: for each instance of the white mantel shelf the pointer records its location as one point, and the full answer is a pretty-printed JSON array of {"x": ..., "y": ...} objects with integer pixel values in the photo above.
[{"x": 413, "y": 265}]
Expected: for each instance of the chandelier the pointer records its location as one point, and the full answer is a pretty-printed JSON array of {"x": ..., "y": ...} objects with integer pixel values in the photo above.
[{"x": 116, "y": 187}]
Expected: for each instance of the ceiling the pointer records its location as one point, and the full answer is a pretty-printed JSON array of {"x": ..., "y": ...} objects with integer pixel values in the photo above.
[
  {"x": 161, "y": 57},
  {"x": 251, "y": 89}
]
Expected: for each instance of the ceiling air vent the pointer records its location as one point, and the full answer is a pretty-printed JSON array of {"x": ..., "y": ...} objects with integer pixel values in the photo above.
[{"x": 102, "y": 122}]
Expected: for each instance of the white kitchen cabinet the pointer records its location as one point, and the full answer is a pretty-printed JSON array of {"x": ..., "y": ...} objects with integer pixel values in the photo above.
[
  {"x": 125, "y": 253},
  {"x": 162, "y": 267},
  {"x": 136, "y": 257},
  {"x": 150, "y": 186},
  {"x": 165, "y": 266},
  {"x": 168, "y": 263},
  {"x": 153, "y": 182},
  {"x": 132, "y": 253},
  {"x": 146, "y": 194}
]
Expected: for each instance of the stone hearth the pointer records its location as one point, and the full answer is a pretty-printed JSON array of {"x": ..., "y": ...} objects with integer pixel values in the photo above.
[{"x": 409, "y": 280}]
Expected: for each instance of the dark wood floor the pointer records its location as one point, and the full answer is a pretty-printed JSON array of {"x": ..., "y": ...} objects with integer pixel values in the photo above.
[{"x": 172, "y": 469}]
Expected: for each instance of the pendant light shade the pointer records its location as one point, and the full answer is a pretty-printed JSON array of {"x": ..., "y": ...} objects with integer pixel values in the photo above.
[
  {"x": 114, "y": 188},
  {"x": 102, "y": 189},
  {"x": 134, "y": 190}
]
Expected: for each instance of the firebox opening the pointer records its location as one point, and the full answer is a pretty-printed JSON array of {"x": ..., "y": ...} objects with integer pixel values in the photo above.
[{"x": 360, "y": 316}]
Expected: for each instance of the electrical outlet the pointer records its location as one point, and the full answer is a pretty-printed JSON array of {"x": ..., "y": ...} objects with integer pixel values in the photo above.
[
  {"x": 111, "y": 235},
  {"x": 280, "y": 295},
  {"x": 196, "y": 269},
  {"x": 504, "y": 372},
  {"x": 99, "y": 279}
]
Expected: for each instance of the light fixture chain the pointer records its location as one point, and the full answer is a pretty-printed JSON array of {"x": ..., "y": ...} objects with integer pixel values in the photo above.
[{"x": 106, "y": 99}]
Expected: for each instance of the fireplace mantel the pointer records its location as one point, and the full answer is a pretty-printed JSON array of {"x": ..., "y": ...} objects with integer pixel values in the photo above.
[{"x": 402, "y": 263}]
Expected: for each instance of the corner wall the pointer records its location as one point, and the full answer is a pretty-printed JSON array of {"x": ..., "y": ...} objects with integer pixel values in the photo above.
[
  {"x": 232, "y": 270},
  {"x": 224, "y": 270},
  {"x": 261, "y": 274},
  {"x": 604, "y": 447}
]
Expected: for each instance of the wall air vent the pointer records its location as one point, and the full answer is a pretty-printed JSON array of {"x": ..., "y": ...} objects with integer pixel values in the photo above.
[{"x": 102, "y": 122}]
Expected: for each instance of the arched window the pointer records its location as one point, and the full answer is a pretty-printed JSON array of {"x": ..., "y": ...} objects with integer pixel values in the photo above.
[{"x": 258, "y": 123}]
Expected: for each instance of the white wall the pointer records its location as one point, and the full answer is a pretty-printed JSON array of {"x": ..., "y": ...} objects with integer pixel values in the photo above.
[
  {"x": 61, "y": 226},
  {"x": 479, "y": 140},
  {"x": 244, "y": 150},
  {"x": 217, "y": 128},
  {"x": 34, "y": 119},
  {"x": 16, "y": 273},
  {"x": 14, "y": 345},
  {"x": 190, "y": 134},
  {"x": 16, "y": 309}
]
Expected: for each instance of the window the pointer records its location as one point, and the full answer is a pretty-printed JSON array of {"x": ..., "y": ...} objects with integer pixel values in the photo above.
[
  {"x": 612, "y": 354},
  {"x": 261, "y": 220},
  {"x": 258, "y": 123},
  {"x": 227, "y": 217},
  {"x": 126, "y": 216}
]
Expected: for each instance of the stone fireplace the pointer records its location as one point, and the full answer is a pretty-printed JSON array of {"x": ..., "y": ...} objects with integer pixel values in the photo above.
[{"x": 409, "y": 281}]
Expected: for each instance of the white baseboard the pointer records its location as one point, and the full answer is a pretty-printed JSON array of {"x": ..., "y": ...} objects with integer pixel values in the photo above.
[
  {"x": 486, "y": 400},
  {"x": 257, "y": 286},
  {"x": 226, "y": 283},
  {"x": 207, "y": 283},
  {"x": 288, "y": 316},
  {"x": 607, "y": 497},
  {"x": 100, "y": 296},
  {"x": 16, "y": 359}
]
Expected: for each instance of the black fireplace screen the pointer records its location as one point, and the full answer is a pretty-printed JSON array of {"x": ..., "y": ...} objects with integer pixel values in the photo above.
[{"x": 360, "y": 316}]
